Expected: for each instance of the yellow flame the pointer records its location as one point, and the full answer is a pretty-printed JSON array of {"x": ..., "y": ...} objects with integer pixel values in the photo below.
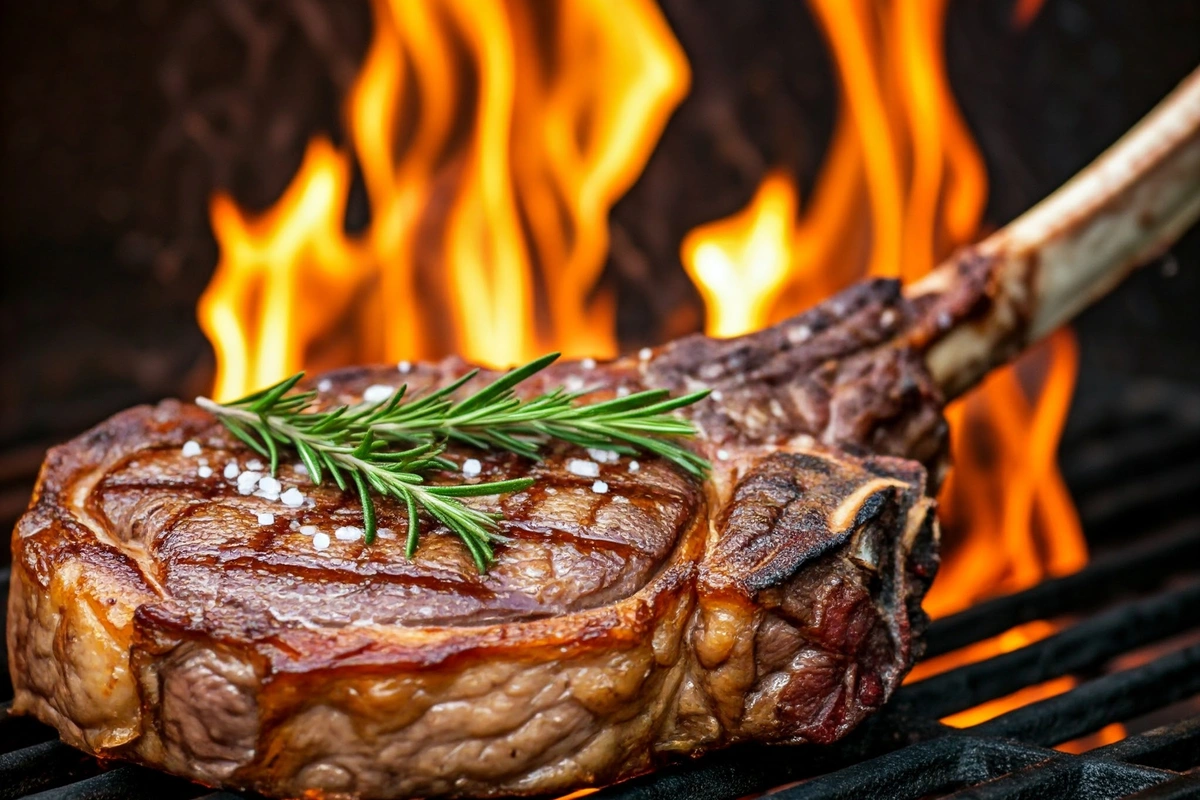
[
  {"x": 493, "y": 139},
  {"x": 740, "y": 263}
]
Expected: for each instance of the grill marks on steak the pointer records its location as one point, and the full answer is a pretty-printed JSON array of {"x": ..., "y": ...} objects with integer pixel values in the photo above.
[
  {"x": 151, "y": 616},
  {"x": 569, "y": 547}
]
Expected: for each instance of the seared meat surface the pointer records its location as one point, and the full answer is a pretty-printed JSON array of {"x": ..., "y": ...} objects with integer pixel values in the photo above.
[{"x": 162, "y": 614}]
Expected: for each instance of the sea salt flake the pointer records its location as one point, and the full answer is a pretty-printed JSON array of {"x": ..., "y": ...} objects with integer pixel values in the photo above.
[
  {"x": 604, "y": 456},
  {"x": 292, "y": 498},
  {"x": 348, "y": 533},
  {"x": 309, "y": 530},
  {"x": 377, "y": 393},
  {"x": 191, "y": 448},
  {"x": 600, "y": 487},
  {"x": 321, "y": 541},
  {"x": 587, "y": 469},
  {"x": 588, "y": 363},
  {"x": 266, "y": 519},
  {"x": 471, "y": 467},
  {"x": 205, "y": 471},
  {"x": 634, "y": 466}
]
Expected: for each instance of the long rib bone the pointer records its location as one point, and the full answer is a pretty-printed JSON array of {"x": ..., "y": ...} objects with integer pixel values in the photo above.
[{"x": 1125, "y": 208}]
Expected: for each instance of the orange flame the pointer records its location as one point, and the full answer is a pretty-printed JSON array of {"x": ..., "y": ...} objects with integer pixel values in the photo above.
[
  {"x": 901, "y": 151},
  {"x": 493, "y": 140}
]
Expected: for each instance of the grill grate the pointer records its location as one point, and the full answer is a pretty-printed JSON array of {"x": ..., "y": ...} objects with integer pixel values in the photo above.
[{"x": 1131, "y": 634}]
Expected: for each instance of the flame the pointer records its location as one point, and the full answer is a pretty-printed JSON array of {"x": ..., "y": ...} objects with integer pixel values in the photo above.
[
  {"x": 493, "y": 139},
  {"x": 739, "y": 264},
  {"x": 902, "y": 151}
]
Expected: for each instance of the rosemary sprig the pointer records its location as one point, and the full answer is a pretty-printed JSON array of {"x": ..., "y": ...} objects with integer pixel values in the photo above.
[{"x": 390, "y": 447}]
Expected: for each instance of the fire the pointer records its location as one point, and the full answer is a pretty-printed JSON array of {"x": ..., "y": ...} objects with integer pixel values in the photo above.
[
  {"x": 902, "y": 151},
  {"x": 493, "y": 139}
]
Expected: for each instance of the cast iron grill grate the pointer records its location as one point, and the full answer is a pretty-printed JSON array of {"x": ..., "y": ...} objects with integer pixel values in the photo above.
[{"x": 1130, "y": 634}]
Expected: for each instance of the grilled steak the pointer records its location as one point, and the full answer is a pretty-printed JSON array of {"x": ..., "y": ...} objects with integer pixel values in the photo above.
[
  {"x": 162, "y": 613},
  {"x": 156, "y": 616}
]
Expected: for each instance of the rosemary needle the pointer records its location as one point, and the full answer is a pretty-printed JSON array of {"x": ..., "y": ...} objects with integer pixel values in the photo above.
[{"x": 390, "y": 447}]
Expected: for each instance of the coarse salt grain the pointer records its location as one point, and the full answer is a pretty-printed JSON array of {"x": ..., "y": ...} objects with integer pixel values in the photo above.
[
  {"x": 254, "y": 465},
  {"x": 269, "y": 485},
  {"x": 377, "y": 393},
  {"x": 587, "y": 469},
  {"x": 205, "y": 471},
  {"x": 293, "y": 525},
  {"x": 622, "y": 391},
  {"x": 723, "y": 455},
  {"x": 634, "y": 466},
  {"x": 604, "y": 456},
  {"x": 645, "y": 353},
  {"x": 574, "y": 383},
  {"x": 600, "y": 487},
  {"x": 300, "y": 469},
  {"x": 385, "y": 533},
  {"x": 471, "y": 467},
  {"x": 247, "y": 481},
  {"x": 191, "y": 448},
  {"x": 232, "y": 470},
  {"x": 405, "y": 367},
  {"x": 292, "y": 498},
  {"x": 348, "y": 533},
  {"x": 308, "y": 530},
  {"x": 588, "y": 363},
  {"x": 325, "y": 385},
  {"x": 321, "y": 541},
  {"x": 716, "y": 395},
  {"x": 798, "y": 334},
  {"x": 266, "y": 519}
]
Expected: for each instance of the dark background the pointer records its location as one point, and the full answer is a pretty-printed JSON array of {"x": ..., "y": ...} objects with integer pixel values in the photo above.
[{"x": 120, "y": 117}]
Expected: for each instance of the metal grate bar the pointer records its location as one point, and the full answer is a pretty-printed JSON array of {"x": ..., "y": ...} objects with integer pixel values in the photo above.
[
  {"x": 1083, "y": 646},
  {"x": 1149, "y": 562},
  {"x": 42, "y": 766},
  {"x": 1185, "y": 787},
  {"x": 1112, "y": 698},
  {"x": 1068, "y": 779},
  {"x": 1174, "y": 747},
  {"x": 927, "y": 768},
  {"x": 124, "y": 783}
]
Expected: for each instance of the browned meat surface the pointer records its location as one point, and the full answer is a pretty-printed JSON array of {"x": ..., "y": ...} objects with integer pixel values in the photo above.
[{"x": 160, "y": 614}]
